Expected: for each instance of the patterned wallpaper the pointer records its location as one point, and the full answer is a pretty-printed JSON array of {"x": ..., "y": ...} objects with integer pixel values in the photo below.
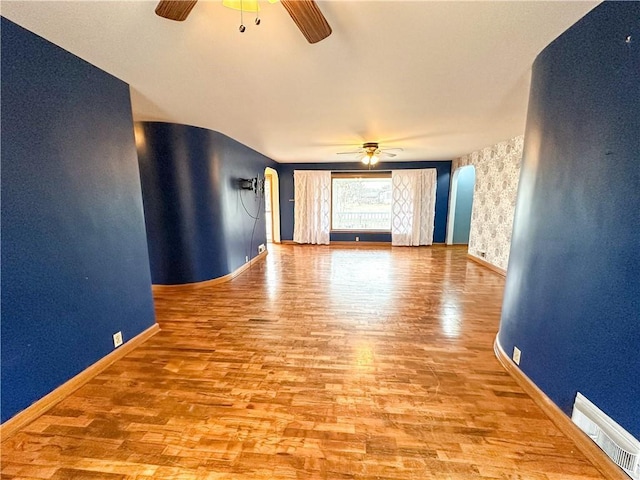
[{"x": 494, "y": 198}]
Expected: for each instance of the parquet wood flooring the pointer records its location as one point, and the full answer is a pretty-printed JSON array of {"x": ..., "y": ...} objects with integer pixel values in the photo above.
[{"x": 318, "y": 363}]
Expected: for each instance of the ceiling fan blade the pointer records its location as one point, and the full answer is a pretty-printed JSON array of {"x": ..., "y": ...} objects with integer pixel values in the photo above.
[
  {"x": 387, "y": 154},
  {"x": 349, "y": 153},
  {"x": 308, "y": 18},
  {"x": 385, "y": 149},
  {"x": 177, "y": 10}
]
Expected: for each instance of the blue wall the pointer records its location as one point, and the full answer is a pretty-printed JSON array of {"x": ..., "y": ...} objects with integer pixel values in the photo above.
[
  {"x": 285, "y": 174},
  {"x": 572, "y": 295},
  {"x": 74, "y": 255},
  {"x": 197, "y": 226},
  {"x": 464, "y": 202}
]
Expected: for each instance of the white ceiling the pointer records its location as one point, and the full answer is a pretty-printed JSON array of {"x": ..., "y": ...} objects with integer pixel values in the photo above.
[{"x": 440, "y": 79}]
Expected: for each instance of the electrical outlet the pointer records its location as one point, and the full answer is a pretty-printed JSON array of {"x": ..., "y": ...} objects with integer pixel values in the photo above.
[
  {"x": 117, "y": 339},
  {"x": 516, "y": 355},
  {"x": 483, "y": 254},
  {"x": 246, "y": 258},
  {"x": 357, "y": 239},
  {"x": 261, "y": 248}
]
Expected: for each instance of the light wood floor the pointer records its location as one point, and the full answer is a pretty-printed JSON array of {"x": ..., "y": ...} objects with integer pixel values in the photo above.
[{"x": 319, "y": 363}]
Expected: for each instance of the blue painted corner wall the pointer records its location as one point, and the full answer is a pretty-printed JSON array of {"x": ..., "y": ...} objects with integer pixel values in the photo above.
[
  {"x": 74, "y": 256},
  {"x": 572, "y": 295},
  {"x": 200, "y": 225},
  {"x": 285, "y": 173}
]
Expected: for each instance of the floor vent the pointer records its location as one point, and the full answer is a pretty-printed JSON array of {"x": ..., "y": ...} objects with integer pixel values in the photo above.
[{"x": 614, "y": 440}]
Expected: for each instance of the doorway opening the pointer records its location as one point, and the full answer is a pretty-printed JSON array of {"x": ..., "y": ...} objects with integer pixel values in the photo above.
[
  {"x": 272, "y": 205},
  {"x": 462, "y": 188}
]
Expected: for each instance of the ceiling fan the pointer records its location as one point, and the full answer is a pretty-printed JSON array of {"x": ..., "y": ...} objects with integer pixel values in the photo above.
[
  {"x": 370, "y": 153},
  {"x": 305, "y": 13}
]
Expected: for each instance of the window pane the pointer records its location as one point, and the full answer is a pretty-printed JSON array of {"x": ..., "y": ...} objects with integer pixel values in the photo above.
[{"x": 361, "y": 204}]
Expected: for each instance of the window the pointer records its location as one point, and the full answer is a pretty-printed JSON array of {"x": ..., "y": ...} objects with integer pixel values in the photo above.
[{"x": 361, "y": 202}]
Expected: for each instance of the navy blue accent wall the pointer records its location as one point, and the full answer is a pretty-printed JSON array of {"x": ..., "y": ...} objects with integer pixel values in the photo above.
[
  {"x": 572, "y": 295},
  {"x": 74, "y": 255},
  {"x": 285, "y": 174},
  {"x": 197, "y": 225}
]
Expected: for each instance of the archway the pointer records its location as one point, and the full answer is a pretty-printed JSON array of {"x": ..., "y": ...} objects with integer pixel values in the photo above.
[
  {"x": 462, "y": 188},
  {"x": 272, "y": 204}
]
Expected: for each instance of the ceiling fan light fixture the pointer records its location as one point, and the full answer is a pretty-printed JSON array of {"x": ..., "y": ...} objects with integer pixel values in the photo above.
[
  {"x": 370, "y": 153},
  {"x": 305, "y": 14},
  {"x": 244, "y": 5},
  {"x": 370, "y": 158}
]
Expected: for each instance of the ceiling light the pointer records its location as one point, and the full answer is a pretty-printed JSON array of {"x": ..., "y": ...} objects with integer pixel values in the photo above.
[
  {"x": 244, "y": 5},
  {"x": 370, "y": 158}
]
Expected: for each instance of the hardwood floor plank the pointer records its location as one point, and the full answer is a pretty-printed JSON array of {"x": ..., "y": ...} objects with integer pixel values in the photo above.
[{"x": 318, "y": 363}]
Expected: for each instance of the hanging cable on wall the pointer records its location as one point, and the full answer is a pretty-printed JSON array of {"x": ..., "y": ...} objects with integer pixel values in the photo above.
[
  {"x": 245, "y": 209},
  {"x": 253, "y": 230},
  {"x": 255, "y": 185}
]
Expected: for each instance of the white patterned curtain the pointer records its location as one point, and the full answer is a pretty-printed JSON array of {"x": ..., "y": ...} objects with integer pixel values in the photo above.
[
  {"x": 312, "y": 219},
  {"x": 413, "y": 206}
]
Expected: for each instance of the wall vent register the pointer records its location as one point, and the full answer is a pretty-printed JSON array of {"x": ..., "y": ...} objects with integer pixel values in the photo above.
[{"x": 614, "y": 440}]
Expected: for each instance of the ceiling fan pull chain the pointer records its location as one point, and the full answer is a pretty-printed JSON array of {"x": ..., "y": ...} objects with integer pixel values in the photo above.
[{"x": 242, "y": 27}]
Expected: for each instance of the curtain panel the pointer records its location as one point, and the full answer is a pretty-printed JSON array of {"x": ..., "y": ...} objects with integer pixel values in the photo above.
[
  {"x": 413, "y": 206},
  {"x": 312, "y": 210}
]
